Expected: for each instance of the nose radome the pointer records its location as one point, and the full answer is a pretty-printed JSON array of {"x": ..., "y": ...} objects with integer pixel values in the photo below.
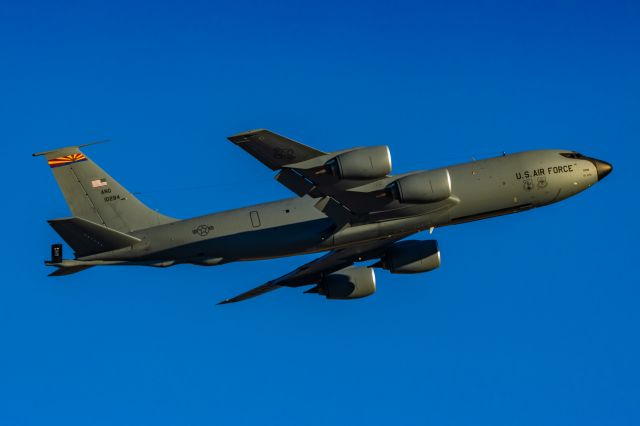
[{"x": 603, "y": 168}]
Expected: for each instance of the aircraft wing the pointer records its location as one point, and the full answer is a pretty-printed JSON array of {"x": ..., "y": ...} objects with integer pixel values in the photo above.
[
  {"x": 303, "y": 170},
  {"x": 312, "y": 272},
  {"x": 273, "y": 150}
]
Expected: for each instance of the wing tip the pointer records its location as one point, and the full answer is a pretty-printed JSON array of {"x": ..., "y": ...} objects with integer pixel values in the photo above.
[
  {"x": 244, "y": 136},
  {"x": 257, "y": 291}
]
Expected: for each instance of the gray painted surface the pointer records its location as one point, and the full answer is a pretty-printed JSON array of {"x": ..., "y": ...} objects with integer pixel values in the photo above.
[{"x": 356, "y": 219}]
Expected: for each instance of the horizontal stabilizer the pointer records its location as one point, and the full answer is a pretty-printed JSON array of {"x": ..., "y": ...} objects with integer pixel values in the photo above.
[
  {"x": 68, "y": 270},
  {"x": 86, "y": 237}
]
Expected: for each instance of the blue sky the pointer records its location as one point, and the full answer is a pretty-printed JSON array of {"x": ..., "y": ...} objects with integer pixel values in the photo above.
[{"x": 532, "y": 318}]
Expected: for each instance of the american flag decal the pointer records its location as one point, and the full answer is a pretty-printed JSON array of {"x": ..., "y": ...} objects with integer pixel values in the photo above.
[
  {"x": 67, "y": 159},
  {"x": 98, "y": 183}
]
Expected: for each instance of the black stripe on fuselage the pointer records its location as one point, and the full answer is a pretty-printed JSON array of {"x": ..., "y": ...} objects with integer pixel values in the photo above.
[{"x": 493, "y": 213}]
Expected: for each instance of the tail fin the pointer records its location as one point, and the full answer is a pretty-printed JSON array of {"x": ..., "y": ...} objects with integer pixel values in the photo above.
[{"x": 94, "y": 195}]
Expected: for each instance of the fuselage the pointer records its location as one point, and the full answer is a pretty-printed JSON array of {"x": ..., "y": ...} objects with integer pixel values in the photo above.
[{"x": 480, "y": 189}]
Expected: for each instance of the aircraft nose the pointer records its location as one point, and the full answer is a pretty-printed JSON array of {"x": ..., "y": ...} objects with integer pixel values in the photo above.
[{"x": 603, "y": 168}]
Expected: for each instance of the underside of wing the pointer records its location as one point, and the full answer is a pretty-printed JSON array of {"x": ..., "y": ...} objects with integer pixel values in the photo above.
[{"x": 316, "y": 270}]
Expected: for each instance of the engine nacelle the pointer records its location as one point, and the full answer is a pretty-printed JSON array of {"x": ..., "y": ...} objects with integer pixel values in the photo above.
[
  {"x": 348, "y": 283},
  {"x": 362, "y": 163},
  {"x": 412, "y": 257},
  {"x": 422, "y": 187}
]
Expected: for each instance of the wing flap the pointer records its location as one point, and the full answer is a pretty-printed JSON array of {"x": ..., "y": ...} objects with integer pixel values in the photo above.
[{"x": 297, "y": 183}]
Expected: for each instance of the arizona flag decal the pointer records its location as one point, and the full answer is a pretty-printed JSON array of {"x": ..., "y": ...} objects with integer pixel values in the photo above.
[{"x": 67, "y": 159}]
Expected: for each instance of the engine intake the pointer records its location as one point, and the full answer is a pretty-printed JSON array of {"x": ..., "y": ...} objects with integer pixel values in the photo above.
[
  {"x": 422, "y": 187},
  {"x": 412, "y": 257},
  {"x": 362, "y": 163},
  {"x": 348, "y": 283}
]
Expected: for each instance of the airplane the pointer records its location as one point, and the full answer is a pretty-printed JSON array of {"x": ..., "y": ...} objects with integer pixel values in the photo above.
[{"x": 348, "y": 205}]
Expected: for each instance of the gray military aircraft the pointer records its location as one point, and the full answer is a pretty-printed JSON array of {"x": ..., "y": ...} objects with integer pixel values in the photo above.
[{"x": 348, "y": 204}]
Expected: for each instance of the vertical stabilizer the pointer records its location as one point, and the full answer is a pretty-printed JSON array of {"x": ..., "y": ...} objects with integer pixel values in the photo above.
[{"x": 94, "y": 195}]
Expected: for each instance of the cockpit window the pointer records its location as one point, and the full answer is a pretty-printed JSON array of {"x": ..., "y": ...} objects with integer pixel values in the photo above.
[{"x": 573, "y": 155}]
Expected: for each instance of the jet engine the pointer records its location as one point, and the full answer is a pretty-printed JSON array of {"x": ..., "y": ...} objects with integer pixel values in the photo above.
[
  {"x": 349, "y": 283},
  {"x": 362, "y": 163},
  {"x": 422, "y": 187},
  {"x": 411, "y": 257}
]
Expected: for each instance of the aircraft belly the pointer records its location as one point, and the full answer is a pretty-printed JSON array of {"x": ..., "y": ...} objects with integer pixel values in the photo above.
[
  {"x": 246, "y": 244},
  {"x": 277, "y": 241}
]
